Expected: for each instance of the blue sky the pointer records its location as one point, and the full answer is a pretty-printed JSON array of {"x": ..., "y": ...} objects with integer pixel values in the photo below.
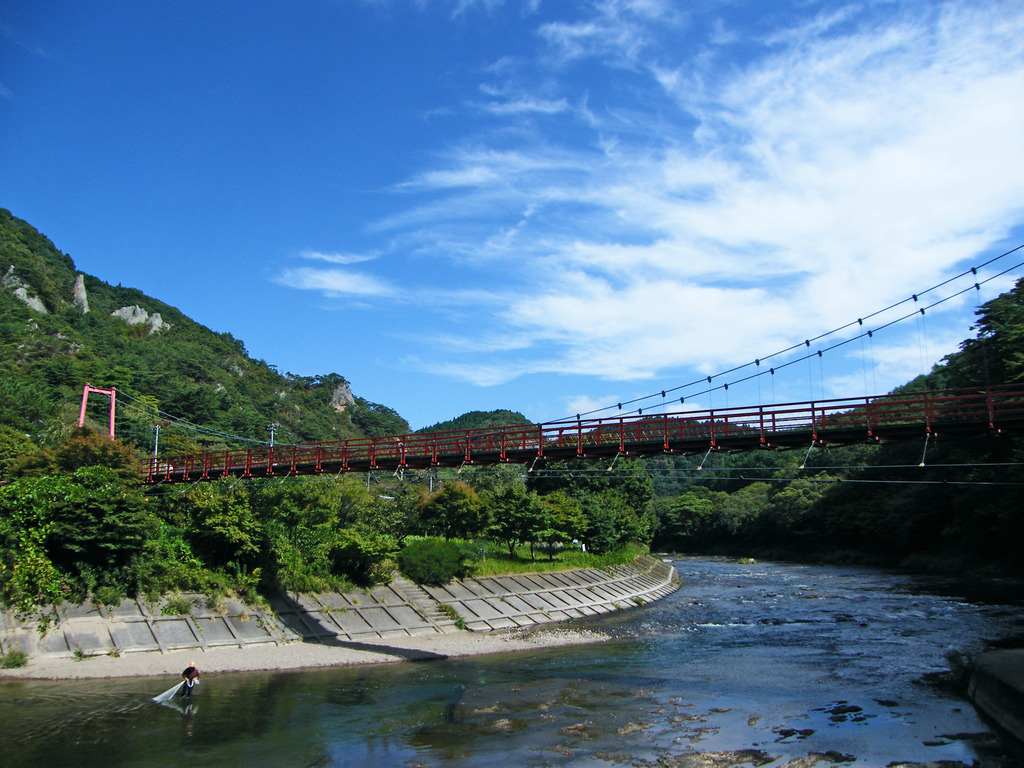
[{"x": 547, "y": 207}]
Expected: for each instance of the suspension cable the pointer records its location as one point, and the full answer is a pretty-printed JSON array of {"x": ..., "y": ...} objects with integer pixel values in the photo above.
[
  {"x": 808, "y": 342},
  {"x": 152, "y": 412}
]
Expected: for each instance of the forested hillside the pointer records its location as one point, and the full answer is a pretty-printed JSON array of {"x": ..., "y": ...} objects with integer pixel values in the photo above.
[
  {"x": 479, "y": 420},
  {"x": 54, "y": 339}
]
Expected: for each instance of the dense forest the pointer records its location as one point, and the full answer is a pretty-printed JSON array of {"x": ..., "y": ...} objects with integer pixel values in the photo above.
[{"x": 76, "y": 522}]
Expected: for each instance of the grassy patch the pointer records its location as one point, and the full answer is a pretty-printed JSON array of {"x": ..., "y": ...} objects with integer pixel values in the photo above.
[
  {"x": 177, "y": 605},
  {"x": 460, "y": 623},
  {"x": 13, "y": 659}
]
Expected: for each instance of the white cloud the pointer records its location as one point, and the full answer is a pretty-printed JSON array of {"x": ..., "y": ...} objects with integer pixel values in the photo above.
[
  {"x": 482, "y": 166},
  {"x": 526, "y": 105},
  {"x": 722, "y": 210},
  {"x": 337, "y": 282},
  {"x": 584, "y": 404},
  {"x": 618, "y": 29},
  {"x": 339, "y": 258}
]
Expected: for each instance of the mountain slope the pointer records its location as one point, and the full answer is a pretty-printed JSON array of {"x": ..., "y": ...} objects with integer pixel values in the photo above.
[
  {"x": 479, "y": 420},
  {"x": 60, "y": 329}
]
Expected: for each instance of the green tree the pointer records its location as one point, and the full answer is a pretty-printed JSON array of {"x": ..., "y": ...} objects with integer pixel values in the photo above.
[
  {"x": 740, "y": 509},
  {"x": 377, "y": 420},
  {"x": 220, "y": 524},
  {"x": 86, "y": 448},
  {"x": 789, "y": 519},
  {"x": 13, "y": 446},
  {"x": 363, "y": 555},
  {"x": 432, "y": 561},
  {"x": 628, "y": 478},
  {"x": 566, "y": 521},
  {"x": 996, "y": 354},
  {"x": 87, "y": 527},
  {"x": 100, "y": 527},
  {"x": 689, "y": 520},
  {"x": 455, "y": 511},
  {"x": 517, "y": 516},
  {"x": 27, "y": 575}
]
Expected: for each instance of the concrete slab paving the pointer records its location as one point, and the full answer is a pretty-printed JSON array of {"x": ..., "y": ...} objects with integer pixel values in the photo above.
[
  {"x": 248, "y": 629},
  {"x": 378, "y": 618},
  {"x": 214, "y": 631},
  {"x": 135, "y": 636},
  {"x": 126, "y": 609},
  {"x": 352, "y": 623},
  {"x": 55, "y": 643},
  {"x": 174, "y": 633}
]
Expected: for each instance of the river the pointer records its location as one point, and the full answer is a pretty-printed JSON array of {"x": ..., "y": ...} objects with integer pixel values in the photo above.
[{"x": 754, "y": 664}]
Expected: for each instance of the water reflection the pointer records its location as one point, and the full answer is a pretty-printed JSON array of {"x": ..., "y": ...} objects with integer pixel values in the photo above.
[{"x": 770, "y": 661}]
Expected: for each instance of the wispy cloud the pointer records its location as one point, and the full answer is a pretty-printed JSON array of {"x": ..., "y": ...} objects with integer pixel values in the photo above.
[
  {"x": 338, "y": 283},
  {"x": 339, "y": 258},
  {"x": 718, "y": 207},
  {"x": 618, "y": 31},
  {"x": 526, "y": 105}
]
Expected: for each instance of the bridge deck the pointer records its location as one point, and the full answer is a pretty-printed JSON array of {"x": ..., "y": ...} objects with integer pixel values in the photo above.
[{"x": 787, "y": 425}]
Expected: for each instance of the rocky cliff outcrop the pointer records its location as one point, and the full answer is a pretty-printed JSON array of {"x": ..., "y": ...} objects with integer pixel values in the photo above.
[
  {"x": 80, "y": 300},
  {"x": 136, "y": 315},
  {"x": 14, "y": 283},
  {"x": 342, "y": 397}
]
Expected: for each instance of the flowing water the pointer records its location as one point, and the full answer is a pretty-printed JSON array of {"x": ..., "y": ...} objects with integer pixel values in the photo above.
[{"x": 757, "y": 664}]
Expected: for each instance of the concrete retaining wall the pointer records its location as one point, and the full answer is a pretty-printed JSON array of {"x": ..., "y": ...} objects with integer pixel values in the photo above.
[
  {"x": 518, "y": 601},
  {"x": 997, "y": 688},
  {"x": 400, "y": 608}
]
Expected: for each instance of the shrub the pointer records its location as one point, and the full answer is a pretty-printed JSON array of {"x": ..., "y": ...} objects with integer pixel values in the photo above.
[
  {"x": 177, "y": 605},
  {"x": 432, "y": 561},
  {"x": 109, "y": 596},
  {"x": 13, "y": 659},
  {"x": 362, "y": 555}
]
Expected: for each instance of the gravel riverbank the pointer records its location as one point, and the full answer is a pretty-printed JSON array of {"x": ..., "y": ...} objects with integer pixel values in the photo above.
[{"x": 301, "y": 655}]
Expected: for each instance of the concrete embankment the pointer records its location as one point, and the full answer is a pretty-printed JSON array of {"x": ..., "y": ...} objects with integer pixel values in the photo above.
[
  {"x": 398, "y": 609},
  {"x": 997, "y": 688}
]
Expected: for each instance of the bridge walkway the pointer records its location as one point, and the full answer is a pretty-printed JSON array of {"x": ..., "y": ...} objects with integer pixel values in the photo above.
[{"x": 788, "y": 425}]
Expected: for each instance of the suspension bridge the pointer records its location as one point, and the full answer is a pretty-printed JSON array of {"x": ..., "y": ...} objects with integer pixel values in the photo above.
[
  {"x": 920, "y": 415},
  {"x": 788, "y": 425}
]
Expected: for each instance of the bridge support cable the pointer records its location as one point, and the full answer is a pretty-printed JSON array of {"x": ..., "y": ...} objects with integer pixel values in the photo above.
[
  {"x": 914, "y": 298},
  {"x": 803, "y": 463},
  {"x": 700, "y": 467},
  {"x": 149, "y": 410}
]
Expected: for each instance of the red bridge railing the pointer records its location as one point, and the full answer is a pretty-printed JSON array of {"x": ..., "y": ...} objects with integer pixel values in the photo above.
[{"x": 785, "y": 425}]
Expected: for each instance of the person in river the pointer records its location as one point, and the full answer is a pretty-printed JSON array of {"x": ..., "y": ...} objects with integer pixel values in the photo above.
[{"x": 191, "y": 675}]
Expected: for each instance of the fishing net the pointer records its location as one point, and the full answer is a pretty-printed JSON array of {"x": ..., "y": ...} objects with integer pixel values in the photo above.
[{"x": 169, "y": 693}]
